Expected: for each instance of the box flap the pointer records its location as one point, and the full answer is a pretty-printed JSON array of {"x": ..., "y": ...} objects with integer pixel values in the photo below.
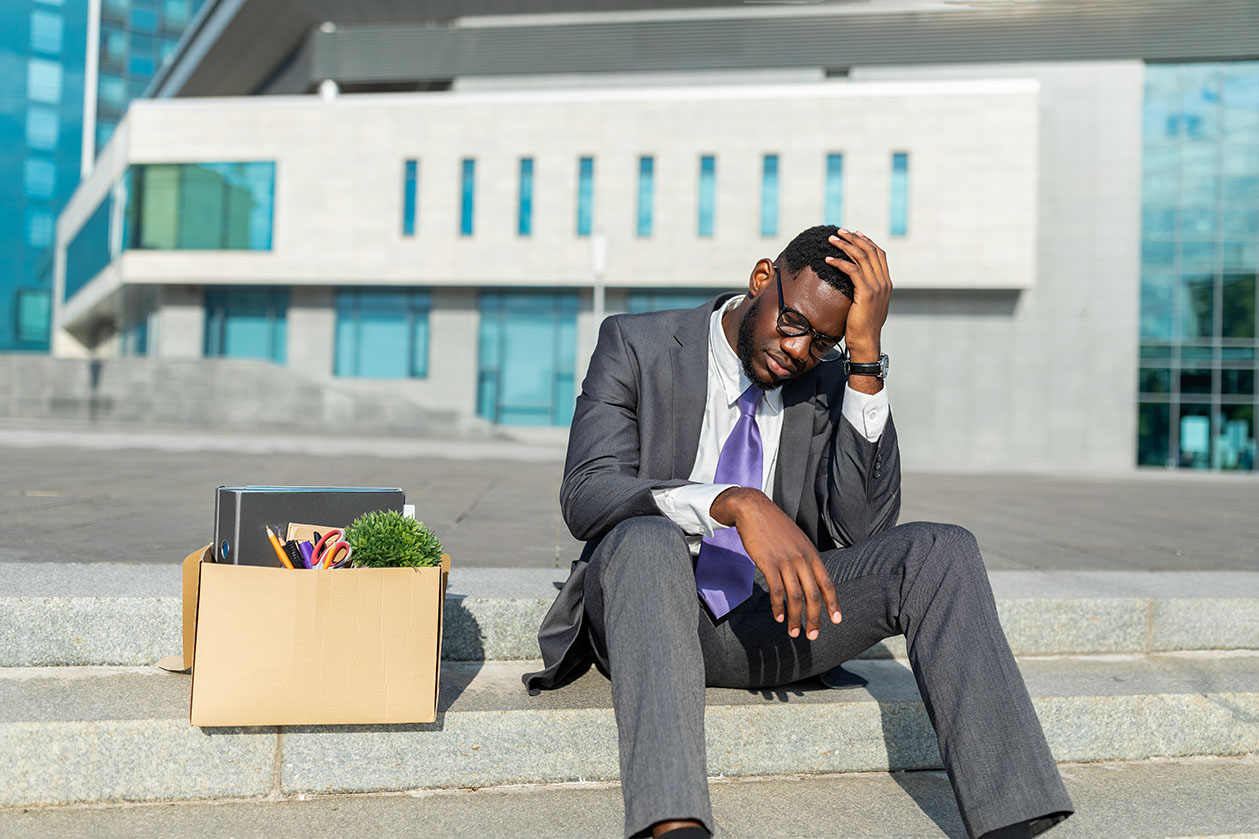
[{"x": 182, "y": 663}]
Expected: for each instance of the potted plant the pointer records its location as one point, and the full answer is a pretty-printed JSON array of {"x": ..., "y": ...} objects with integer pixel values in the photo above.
[{"x": 388, "y": 539}]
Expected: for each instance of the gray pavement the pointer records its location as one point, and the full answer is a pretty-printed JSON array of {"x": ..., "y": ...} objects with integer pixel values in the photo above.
[
  {"x": 114, "y": 495},
  {"x": 1212, "y": 797}
]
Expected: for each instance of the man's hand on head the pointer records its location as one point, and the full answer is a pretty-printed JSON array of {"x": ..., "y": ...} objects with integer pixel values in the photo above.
[
  {"x": 872, "y": 292},
  {"x": 799, "y": 586}
]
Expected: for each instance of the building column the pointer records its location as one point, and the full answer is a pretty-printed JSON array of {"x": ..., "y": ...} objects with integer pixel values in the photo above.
[
  {"x": 179, "y": 322},
  {"x": 312, "y": 323}
]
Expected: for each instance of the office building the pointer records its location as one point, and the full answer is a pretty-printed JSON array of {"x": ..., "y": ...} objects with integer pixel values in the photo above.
[
  {"x": 72, "y": 67},
  {"x": 443, "y": 202}
]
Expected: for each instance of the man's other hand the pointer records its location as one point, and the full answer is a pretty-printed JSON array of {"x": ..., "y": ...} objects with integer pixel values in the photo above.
[{"x": 799, "y": 586}]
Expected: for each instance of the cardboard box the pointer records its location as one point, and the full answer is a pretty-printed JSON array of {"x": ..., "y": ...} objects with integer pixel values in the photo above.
[{"x": 273, "y": 646}]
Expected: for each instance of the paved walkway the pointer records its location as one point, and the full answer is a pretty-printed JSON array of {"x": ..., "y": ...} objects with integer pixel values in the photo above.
[{"x": 74, "y": 495}]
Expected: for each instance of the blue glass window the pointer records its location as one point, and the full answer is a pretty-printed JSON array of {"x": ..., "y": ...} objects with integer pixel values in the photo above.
[
  {"x": 524, "y": 212},
  {"x": 39, "y": 177},
  {"x": 201, "y": 206},
  {"x": 42, "y": 128},
  {"x": 527, "y": 354},
  {"x": 112, "y": 90},
  {"x": 47, "y": 31},
  {"x": 707, "y": 194},
  {"x": 900, "y": 194},
  {"x": 833, "y": 200},
  {"x": 104, "y": 130},
  {"x": 175, "y": 13},
  {"x": 646, "y": 194},
  {"x": 410, "y": 176},
  {"x": 88, "y": 252},
  {"x": 166, "y": 49},
  {"x": 657, "y": 300},
  {"x": 467, "y": 196},
  {"x": 141, "y": 65},
  {"x": 585, "y": 195},
  {"x": 246, "y": 323},
  {"x": 34, "y": 313},
  {"x": 382, "y": 334},
  {"x": 769, "y": 195},
  {"x": 143, "y": 20},
  {"x": 43, "y": 81},
  {"x": 40, "y": 228},
  {"x": 113, "y": 45}
]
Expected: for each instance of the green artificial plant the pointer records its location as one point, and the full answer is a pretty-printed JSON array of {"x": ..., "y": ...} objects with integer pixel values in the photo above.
[{"x": 386, "y": 539}]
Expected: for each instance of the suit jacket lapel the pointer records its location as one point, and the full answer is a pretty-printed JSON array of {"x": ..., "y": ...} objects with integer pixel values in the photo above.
[
  {"x": 690, "y": 388},
  {"x": 793, "y": 445}
]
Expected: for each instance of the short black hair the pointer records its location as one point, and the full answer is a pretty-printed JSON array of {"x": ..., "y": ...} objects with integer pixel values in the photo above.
[{"x": 810, "y": 248}]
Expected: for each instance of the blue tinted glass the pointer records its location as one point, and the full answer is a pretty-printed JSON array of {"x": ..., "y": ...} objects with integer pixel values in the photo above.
[
  {"x": 166, "y": 48},
  {"x": 1239, "y": 120},
  {"x": 112, "y": 90},
  {"x": 467, "y": 196},
  {"x": 833, "y": 200},
  {"x": 201, "y": 206},
  {"x": 143, "y": 20},
  {"x": 527, "y": 357},
  {"x": 585, "y": 195},
  {"x": 39, "y": 177},
  {"x": 113, "y": 45},
  {"x": 655, "y": 301},
  {"x": 175, "y": 13},
  {"x": 382, "y": 334},
  {"x": 409, "y": 179},
  {"x": 42, "y": 128},
  {"x": 141, "y": 65},
  {"x": 39, "y": 228},
  {"x": 769, "y": 195},
  {"x": 34, "y": 312},
  {"x": 524, "y": 212},
  {"x": 43, "y": 81},
  {"x": 104, "y": 130},
  {"x": 47, "y": 31},
  {"x": 900, "y": 194},
  {"x": 246, "y": 323},
  {"x": 707, "y": 194},
  {"x": 88, "y": 252},
  {"x": 646, "y": 190}
]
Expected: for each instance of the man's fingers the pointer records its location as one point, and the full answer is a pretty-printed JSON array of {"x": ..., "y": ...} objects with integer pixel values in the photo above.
[
  {"x": 813, "y": 601},
  {"x": 795, "y": 601},
  {"x": 773, "y": 581},
  {"x": 827, "y": 587}
]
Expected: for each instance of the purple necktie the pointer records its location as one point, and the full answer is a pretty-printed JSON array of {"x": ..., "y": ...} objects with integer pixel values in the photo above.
[{"x": 723, "y": 571}]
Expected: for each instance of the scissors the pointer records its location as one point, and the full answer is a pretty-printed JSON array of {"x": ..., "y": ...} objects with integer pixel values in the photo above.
[{"x": 327, "y": 547}]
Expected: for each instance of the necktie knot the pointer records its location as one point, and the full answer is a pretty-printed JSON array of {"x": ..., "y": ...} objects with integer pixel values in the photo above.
[{"x": 749, "y": 399}]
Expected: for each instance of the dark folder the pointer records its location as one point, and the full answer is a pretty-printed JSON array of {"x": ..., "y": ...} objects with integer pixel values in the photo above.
[{"x": 241, "y": 515}]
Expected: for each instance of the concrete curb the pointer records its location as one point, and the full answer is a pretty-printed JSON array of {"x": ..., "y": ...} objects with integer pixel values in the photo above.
[
  {"x": 88, "y": 631},
  {"x": 125, "y": 737}
]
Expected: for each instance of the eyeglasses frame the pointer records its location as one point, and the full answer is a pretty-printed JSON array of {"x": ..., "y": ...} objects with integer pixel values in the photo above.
[{"x": 835, "y": 353}]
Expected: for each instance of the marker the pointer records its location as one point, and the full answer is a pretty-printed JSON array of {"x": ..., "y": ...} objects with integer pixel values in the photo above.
[{"x": 279, "y": 549}]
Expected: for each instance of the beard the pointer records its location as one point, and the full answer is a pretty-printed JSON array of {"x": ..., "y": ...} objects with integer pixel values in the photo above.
[{"x": 745, "y": 350}]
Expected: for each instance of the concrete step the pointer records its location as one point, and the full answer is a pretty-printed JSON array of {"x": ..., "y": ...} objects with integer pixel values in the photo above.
[
  {"x": 106, "y": 614},
  {"x": 74, "y": 735},
  {"x": 1176, "y": 799},
  {"x": 1181, "y": 799}
]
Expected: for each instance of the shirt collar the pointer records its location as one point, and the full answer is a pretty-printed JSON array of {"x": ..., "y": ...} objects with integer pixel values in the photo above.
[{"x": 726, "y": 362}]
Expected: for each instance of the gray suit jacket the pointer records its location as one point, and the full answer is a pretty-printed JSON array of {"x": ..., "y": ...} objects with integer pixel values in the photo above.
[{"x": 636, "y": 428}]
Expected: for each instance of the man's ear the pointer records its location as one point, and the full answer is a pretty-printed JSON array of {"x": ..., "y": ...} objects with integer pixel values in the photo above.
[{"x": 762, "y": 276}]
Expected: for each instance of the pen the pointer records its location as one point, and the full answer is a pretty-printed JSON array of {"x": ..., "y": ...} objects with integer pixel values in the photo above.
[{"x": 279, "y": 549}]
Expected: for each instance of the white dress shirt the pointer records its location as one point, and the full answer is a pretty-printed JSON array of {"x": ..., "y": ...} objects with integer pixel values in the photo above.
[{"x": 688, "y": 506}]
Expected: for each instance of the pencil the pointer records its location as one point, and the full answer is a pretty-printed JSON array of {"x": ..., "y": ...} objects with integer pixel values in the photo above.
[{"x": 279, "y": 549}]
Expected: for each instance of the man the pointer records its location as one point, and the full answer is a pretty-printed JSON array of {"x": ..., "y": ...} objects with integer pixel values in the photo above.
[{"x": 735, "y": 478}]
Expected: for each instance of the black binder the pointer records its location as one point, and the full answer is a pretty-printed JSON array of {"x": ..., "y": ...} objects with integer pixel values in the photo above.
[{"x": 241, "y": 515}]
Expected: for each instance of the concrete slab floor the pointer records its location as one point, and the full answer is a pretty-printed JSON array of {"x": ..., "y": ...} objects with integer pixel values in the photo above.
[
  {"x": 75, "y": 496},
  {"x": 1206, "y": 797}
]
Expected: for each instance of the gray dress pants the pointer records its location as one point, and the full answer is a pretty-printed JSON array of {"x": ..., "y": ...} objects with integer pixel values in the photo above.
[{"x": 926, "y": 581}]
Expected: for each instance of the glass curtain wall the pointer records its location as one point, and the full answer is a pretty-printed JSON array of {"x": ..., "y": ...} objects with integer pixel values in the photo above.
[
  {"x": 382, "y": 333},
  {"x": 42, "y": 49},
  {"x": 246, "y": 323},
  {"x": 1196, "y": 403},
  {"x": 137, "y": 36}
]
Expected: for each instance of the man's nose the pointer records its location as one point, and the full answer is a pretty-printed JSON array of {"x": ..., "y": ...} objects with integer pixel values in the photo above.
[{"x": 798, "y": 348}]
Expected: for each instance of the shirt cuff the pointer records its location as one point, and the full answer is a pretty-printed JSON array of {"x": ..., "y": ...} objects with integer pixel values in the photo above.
[
  {"x": 866, "y": 412},
  {"x": 688, "y": 507}
]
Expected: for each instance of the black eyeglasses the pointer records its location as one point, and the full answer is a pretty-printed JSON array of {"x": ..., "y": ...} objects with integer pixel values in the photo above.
[{"x": 792, "y": 324}]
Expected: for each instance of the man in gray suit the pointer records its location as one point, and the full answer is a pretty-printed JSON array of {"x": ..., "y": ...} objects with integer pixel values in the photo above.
[{"x": 736, "y": 478}]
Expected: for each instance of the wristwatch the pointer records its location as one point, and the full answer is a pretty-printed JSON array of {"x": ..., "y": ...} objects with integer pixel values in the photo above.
[{"x": 877, "y": 369}]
